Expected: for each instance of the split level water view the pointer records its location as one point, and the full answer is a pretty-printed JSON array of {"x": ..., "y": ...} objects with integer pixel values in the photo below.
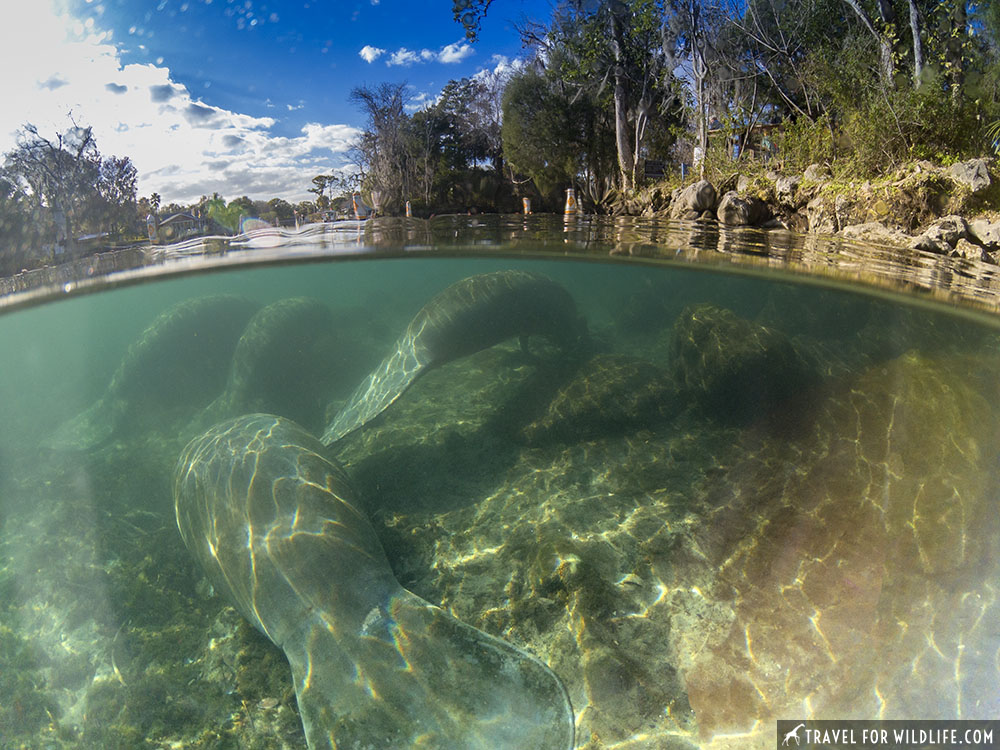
[{"x": 424, "y": 488}]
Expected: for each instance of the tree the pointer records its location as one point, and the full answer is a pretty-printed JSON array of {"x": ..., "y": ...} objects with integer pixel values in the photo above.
[
  {"x": 614, "y": 53},
  {"x": 470, "y": 14},
  {"x": 381, "y": 149},
  {"x": 320, "y": 183},
  {"x": 59, "y": 174},
  {"x": 282, "y": 209},
  {"x": 116, "y": 190},
  {"x": 21, "y": 226},
  {"x": 544, "y": 130}
]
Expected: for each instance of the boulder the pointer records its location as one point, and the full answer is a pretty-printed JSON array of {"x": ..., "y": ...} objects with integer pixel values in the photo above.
[
  {"x": 699, "y": 197},
  {"x": 821, "y": 215},
  {"x": 965, "y": 249},
  {"x": 872, "y": 231},
  {"x": 733, "y": 368},
  {"x": 785, "y": 189},
  {"x": 973, "y": 173},
  {"x": 942, "y": 235},
  {"x": 736, "y": 210},
  {"x": 817, "y": 173},
  {"x": 930, "y": 245},
  {"x": 852, "y": 208},
  {"x": 986, "y": 233}
]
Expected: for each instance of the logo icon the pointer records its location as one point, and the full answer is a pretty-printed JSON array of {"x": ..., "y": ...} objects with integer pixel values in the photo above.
[{"x": 793, "y": 735}]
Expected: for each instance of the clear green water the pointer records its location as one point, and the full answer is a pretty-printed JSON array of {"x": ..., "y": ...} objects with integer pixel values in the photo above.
[{"x": 748, "y": 500}]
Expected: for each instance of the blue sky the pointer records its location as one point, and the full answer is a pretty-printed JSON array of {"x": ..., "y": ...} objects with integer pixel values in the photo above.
[{"x": 232, "y": 96}]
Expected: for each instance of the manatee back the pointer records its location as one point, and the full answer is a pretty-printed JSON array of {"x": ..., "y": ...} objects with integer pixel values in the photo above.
[
  {"x": 273, "y": 524},
  {"x": 469, "y": 316},
  {"x": 483, "y": 310}
]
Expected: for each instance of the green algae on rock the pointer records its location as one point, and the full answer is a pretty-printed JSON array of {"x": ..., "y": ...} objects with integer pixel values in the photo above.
[{"x": 734, "y": 368}]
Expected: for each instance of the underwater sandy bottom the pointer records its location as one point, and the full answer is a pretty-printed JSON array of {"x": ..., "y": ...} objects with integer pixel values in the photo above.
[{"x": 709, "y": 524}]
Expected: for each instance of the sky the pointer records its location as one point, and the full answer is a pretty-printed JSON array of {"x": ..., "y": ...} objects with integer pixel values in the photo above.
[{"x": 236, "y": 97}]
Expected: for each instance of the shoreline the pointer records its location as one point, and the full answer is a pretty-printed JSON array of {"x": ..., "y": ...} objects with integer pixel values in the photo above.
[{"x": 947, "y": 210}]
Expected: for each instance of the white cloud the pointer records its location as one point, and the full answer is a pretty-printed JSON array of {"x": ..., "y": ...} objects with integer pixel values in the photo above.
[
  {"x": 453, "y": 53},
  {"x": 181, "y": 146},
  {"x": 370, "y": 54},
  {"x": 403, "y": 57},
  {"x": 502, "y": 67},
  {"x": 420, "y": 101},
  {"x": 450, "y": 53}
]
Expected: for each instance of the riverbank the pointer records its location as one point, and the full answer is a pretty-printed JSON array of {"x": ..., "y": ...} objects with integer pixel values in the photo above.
[{"x": 950, "y": 210}]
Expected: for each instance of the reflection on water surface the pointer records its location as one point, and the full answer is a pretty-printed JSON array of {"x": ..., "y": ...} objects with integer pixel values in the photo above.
[
  {"x": 746, "y": 499},
  {"x": 703, "y": 244}
]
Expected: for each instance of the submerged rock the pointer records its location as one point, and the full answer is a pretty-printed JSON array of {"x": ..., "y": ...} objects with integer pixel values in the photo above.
[
  {"x": 608, "y": 395},
  {"x": 870, "y": 530},
  {"x": 734, "y": 368}
]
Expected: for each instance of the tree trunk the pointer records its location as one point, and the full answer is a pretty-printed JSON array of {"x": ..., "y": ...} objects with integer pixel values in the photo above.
[
  {"x": 918, "y": 45},
  {"x": 699, "y": 70},
  {"x": 626, "y": 165},
  {"x": 955, "y": 50},
  {"x": 888, "y": 69}
]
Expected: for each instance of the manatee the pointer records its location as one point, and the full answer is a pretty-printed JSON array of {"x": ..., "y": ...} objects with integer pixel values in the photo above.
[
  {"x": 177, "y": 365},
  {"x": 275, "y": 526},
  {"x": 288, "y": 359},
  {"x": 470, "y": 315}
]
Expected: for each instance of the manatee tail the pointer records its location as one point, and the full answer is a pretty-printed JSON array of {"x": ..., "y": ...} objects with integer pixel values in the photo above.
[
  {"x": 89, "y": 429},
  {"x": 417, "y": 677},
  {"x": 383, "y": 385}
]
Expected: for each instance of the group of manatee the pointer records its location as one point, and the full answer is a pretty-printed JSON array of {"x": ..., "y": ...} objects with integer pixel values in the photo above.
[{"x": 271, "y": 518}]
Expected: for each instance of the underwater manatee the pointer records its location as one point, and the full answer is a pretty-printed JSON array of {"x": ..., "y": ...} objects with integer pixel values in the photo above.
[
  {"x": 470, "y": 315},
  {"x": 287, "y": 361},
  {"x": 178, "y": 364},
  {"x": 275, "y": 526}
]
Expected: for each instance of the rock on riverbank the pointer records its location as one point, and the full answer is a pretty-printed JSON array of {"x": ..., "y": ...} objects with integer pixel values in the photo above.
[{"x": 952, "y": 210}]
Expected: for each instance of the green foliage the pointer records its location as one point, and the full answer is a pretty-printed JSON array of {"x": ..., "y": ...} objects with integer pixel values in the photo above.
[
  {"x": 803, "y": 142},
  {"x": 23, "y": 227},
  {"x": 227, "y": 215},
  {"x": 614, "y": 55},
  {"x": 992, "y": 134},
  {"x": 538, "y": 131}
]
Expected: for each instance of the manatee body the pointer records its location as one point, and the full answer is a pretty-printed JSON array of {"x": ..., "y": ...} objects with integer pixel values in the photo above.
[
  {"x": 178, "y": 364},
  {"x": 275, "y": 526},
  {"x": 284, "y": 363},
  {"x": 470, "y": 315}
]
